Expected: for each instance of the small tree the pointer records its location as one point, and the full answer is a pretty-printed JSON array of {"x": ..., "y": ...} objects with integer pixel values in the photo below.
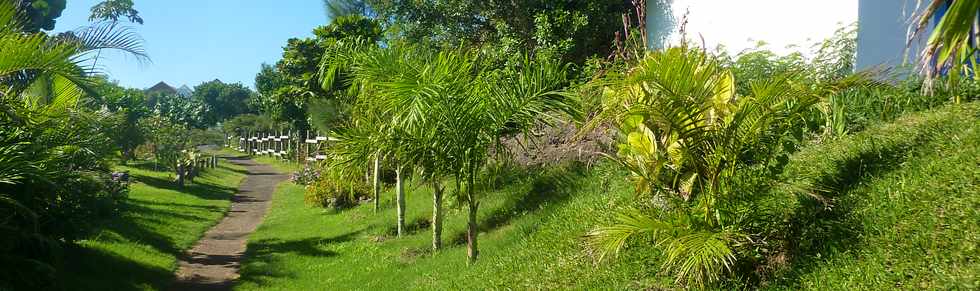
[
  {"x": 445, "y": 111},
  {"x": 168, "y": 140},
  {"x": 685, "y": 135}
]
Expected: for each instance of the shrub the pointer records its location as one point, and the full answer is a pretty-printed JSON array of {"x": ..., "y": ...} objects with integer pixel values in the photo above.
[
  {"x": 686, "y": 136},
  {"x": 54, "y": 184},
  {"x": 306, "y": 176},
  {"x": 335, "y": 193}
]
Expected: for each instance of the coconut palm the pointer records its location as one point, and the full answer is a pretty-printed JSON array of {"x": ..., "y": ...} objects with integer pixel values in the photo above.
[
  {"x": 951, "y": 48},
  {"x": 684, "y": 136}
]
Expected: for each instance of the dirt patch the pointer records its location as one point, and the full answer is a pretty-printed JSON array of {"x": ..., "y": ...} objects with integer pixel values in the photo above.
[{"x": 213, "y": 263}]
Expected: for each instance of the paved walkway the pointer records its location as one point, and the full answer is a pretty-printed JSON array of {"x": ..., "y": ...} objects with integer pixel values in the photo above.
[{"x": 213, "y": 263}]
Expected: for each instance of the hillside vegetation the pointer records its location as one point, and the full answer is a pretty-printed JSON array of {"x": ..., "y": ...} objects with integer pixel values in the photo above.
[{"x": 893, "y": 205}]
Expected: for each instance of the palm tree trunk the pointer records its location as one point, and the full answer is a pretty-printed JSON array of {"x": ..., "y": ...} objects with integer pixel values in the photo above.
[
  {"x": 471, "y": 231},
  {"x": 180, "y": 174},
  {"x": 377, "y": 184},
  {"x": 436, "y": 215},
  {"x": 400, "y": 199}
]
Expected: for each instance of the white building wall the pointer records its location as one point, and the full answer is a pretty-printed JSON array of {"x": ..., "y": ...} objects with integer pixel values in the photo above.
[
  {"x": 883, "y": 32},
  {"x": 784, "y": 25}
]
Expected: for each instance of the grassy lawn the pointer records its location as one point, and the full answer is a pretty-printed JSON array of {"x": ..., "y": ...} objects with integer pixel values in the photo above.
[
  {"x": 279, "y": 164},
  {"x": 530, "y": 239},
  {"x": 138, "y": 249}
]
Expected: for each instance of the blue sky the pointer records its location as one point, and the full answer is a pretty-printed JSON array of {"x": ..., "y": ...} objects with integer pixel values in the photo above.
[{"x": 192, "y": 41}]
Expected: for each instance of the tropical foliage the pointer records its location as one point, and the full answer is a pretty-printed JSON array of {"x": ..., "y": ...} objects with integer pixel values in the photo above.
[
  {"x": 442, "y": 113},
  {"x": 951, "y": 49},
  {"x": 685, "y": 137},
  {"x": 291, "y": 89},
  {"x": 54, "y": 179}
]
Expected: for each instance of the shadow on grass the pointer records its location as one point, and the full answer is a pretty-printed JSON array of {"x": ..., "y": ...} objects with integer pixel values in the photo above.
[
  {"x": 146, "y": 165},
  {"x": 545, "y": 187},
  {"x": 262, "y": 257},
  {"x": 230, "y": 169},
  {"x": 135, "y": 228},
  {"x": 93, "y": 269},
  {"x": 821, "y": 229},
  {"x": 200, "y": 189}
]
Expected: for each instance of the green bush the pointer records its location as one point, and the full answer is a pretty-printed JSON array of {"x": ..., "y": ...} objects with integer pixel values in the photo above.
[
  {"x": 54, "y": 184},
  {"x": 331, "y": 192}
]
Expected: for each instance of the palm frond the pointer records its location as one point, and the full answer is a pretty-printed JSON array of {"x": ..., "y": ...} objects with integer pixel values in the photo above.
[
  {"x": 629, "y": 225},
  {"x": 108, "y": 36},
  {"x": 699, "y": 258},
  {"x": 951, "y": 48},
  {"x": 11, "y": 18}
]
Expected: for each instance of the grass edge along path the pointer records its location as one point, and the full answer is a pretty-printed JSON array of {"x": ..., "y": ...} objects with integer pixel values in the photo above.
[
  {"x": 138, "y": 249},
  {"x": 213, "y": 262},
  {"x": 530, "y": 228}
]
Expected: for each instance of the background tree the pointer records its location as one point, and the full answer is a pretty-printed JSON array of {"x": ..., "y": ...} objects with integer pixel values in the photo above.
[
  {"x": 126, "y": 106},
  {"x": 223, "y": 100},
  {"x": 112, "y": 10},
  {"x": 292, "y": 88},
  {"x": 41, "y": 14},
  {"x": 177, "y": 109},
  {"x": 571, "y": 30},
  {"x": 338, "y": 8}
]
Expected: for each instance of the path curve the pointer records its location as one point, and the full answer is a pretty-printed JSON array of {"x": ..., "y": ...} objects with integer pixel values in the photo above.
[{"x": 213, "y": 263}]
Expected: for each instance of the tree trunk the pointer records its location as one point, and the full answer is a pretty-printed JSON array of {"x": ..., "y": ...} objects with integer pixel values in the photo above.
[
  {"x": 351, "y": 198},
  {"x": 180, "y": 174},
  {"x": 400, "y": 199},
  {"x": 471, "y": 230},
  {"x": 436, "y": 215},
  {"x": 377, "y": 184}
]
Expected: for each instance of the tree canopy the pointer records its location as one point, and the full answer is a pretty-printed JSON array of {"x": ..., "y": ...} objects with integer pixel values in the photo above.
[
  {"x": 288, "y": 89},
  {"x": 41, "y": 14},
  {"x": 224, "y": 101},
  {"x": 572, "y": 30},
  {"x": 112, "y": 10}
]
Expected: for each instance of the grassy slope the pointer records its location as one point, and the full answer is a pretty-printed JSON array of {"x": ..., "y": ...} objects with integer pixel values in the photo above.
[
  {"x": 530, "y": 240},
  {"x": 138, "y": 249},
  {"x": 906, "y": 214},
  {"x": 907, "y": 211}
]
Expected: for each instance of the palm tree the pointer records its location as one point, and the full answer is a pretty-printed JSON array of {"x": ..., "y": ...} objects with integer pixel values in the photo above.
[
  {"x": 445, "y": 112},
  {"x": 684, "y": 136},
  {"x": 47, "y": 72},
  {"x": 368, "y": 136},
  {"x": 952, "y": 45}
]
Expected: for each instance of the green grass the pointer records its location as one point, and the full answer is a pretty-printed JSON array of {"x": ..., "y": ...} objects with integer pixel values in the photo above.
[
  {"x": 529, "y": 240},
  {"x": 906, "y": 210},
  {"x": 280, "y": 165},
  {"x": 138, "y": 249}
]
